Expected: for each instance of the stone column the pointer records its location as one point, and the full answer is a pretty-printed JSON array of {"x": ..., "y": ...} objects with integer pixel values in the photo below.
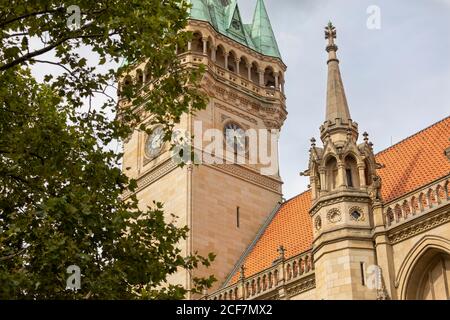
[
  {"x": 238, "y": 61},
  {"x": 276, "y": 75},
  {"x": 249, "y": 70},
  {"x": 261, "y": 77},
  {"x": 205, "y": 46},
  {"x": 341, "y": 175},
  {"x": 226, "y": 54},
  {"x": 213, "y": 53},
  {"x": 323, "y": 183},
  {"x": 362, "y": 174},
  {"x": 189, "y": 46}
]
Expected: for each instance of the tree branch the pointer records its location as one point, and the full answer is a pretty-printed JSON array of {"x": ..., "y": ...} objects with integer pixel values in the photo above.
[
  {"x": 12, "y": 255},
  {"x": 31, "y": 14},
  {"x": 53, "y": 63}
]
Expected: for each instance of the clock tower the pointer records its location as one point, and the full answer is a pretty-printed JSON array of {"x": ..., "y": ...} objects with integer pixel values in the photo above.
[{"x": 223, "y": 204}]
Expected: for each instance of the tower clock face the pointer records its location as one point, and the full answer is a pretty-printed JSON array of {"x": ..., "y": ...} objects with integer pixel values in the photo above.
[
  {"x": 235, "y": 137},
  {"x": 154, "y": 143}
]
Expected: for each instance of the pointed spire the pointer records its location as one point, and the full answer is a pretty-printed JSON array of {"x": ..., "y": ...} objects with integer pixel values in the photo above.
[
  {"x": 262, "y": 32},
  {"x": 337, "y": 107}
]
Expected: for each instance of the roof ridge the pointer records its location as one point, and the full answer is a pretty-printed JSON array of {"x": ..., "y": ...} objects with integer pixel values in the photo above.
[
  {"x": 413, "y": 135},
  {"x": 296, "y": 196}
]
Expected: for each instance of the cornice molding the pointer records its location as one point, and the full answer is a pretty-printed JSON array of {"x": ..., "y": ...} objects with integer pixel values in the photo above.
[
  {"x": 152, "y": 176},
  {"x": 415, "y": 227}
]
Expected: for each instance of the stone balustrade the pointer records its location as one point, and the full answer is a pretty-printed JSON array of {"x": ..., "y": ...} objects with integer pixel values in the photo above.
[
  {"x": 281, "y": 273},
  {"x": 231, "y": 77},
  {"x": 417, "y": 203}
]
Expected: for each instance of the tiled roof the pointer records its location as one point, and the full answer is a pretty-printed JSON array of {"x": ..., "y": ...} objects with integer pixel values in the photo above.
[
  {"x": 416, "y": 161},
  {"x": 291, "y": 227},
  {"x": 409, "y": 164}
]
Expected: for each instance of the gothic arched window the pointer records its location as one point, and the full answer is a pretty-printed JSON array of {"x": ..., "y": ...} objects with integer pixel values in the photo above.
[
  {"x": 331, "y": 173},
  {"x": 351, "y": 172}
]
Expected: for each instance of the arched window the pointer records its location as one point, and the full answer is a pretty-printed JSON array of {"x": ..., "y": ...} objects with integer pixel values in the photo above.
[
  {"x": 269, "y": 78},
  {"x": 331, "y": 173},
  {"x": 243, "y": 71},
  {"x": 429, "y": 278},
  {"x": 126, "y": 86},
  {"x": 220, "y": 56},
  {"x": 197, "y": 43},
  {"x": 254, "y": 73},
  {"x": 351, "y": 172},
  {"x": 232, "y": 62}
]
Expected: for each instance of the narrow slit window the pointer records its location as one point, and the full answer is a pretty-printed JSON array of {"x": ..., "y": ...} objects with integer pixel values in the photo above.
[
  {"x": 237, "y": 217},
  {"x": 363, "y": 275}
]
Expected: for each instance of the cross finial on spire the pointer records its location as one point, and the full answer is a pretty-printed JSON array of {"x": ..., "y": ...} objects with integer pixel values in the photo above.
[{"x": 330, "y": 33}]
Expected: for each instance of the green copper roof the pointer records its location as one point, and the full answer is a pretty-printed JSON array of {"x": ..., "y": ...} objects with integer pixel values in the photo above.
[
  {"x": 262, "y": 33},
  {"x": 225, "y": 17}
]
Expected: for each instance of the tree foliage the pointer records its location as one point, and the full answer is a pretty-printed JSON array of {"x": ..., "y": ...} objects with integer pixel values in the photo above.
[{"x": 60, "y": 187}]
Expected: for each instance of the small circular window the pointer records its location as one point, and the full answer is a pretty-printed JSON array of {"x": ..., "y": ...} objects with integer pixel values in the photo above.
[{"x": 356, "y": 214}]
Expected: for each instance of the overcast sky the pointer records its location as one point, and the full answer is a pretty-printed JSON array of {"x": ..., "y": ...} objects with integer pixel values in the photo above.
[{"x": 397, "y": 78}]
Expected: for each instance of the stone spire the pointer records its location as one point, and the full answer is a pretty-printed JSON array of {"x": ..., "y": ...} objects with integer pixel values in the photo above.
[
  {"x": 337, "y": 106},
  {"x": 337, "y": 111}
]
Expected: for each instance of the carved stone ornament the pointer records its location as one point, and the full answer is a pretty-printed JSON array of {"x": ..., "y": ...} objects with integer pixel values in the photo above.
[
  {"x": 334, "y": 215},
  {"x": 318, "y": 223}
]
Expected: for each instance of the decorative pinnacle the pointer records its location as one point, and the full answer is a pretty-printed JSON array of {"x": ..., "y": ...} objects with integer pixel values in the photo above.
[
  {"x": 330, "y": 35},
  {"x": 242, "y": 273},
  {"x": 366, "y": 137},
  {"x": 281, "y": 250}
]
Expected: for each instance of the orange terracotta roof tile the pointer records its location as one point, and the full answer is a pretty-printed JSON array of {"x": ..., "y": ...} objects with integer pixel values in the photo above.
[
  {"x": 416, "y": 161},
  {"x": 291, "y": 227},
  {"x": 409, "y": 164}
]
